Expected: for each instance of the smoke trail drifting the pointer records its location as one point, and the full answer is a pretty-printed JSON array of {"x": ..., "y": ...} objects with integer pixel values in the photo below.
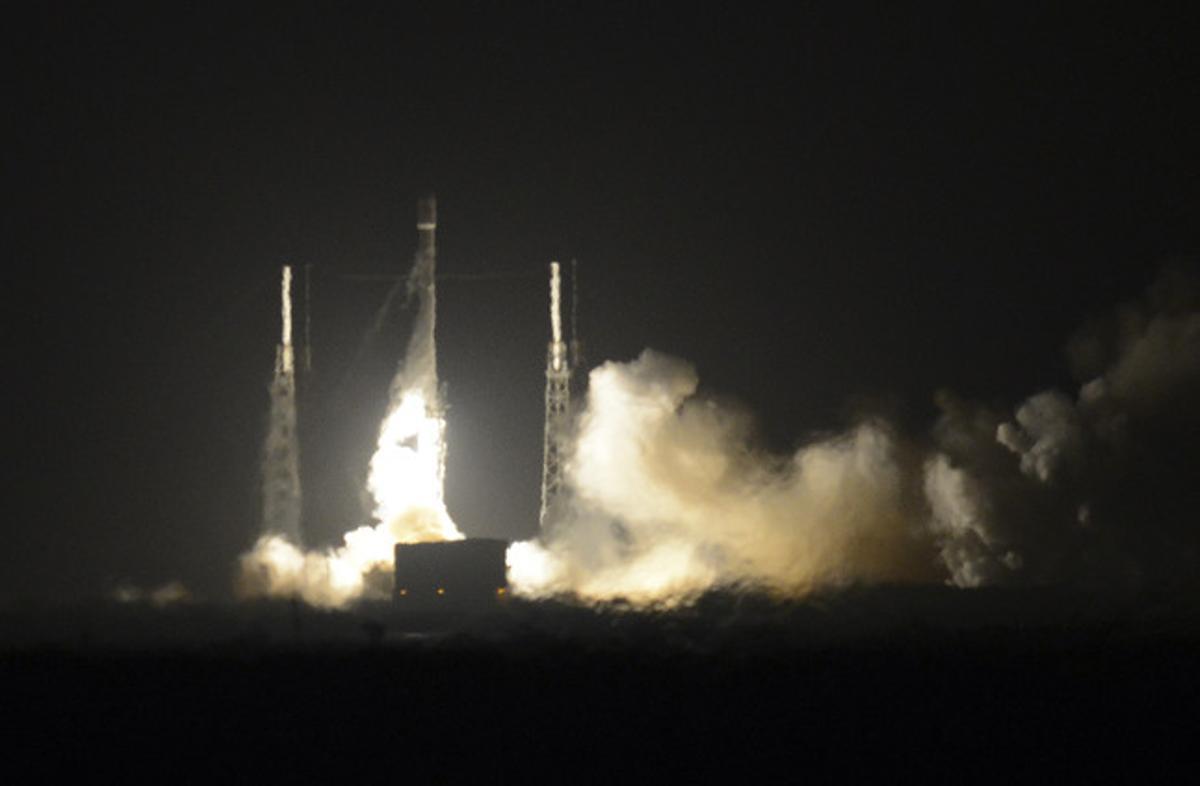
[
  {"x": 405, "y": 477},
  {"x": 1096, "y": 488},
  {"x": 669, "y": 499},
  {"x": 281, "y": 450}
]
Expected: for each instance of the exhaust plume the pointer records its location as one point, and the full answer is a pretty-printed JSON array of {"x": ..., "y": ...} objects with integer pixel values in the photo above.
[{"x": 405, "y": 475}]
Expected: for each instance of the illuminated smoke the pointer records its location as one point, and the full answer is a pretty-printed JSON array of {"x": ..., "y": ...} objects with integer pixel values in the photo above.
[
  {"x": 671, "y": 499},
  {"x": 407, "y": 472},
  {"x": 281, "y": 450},
  {"x": 405, "y": 480}
]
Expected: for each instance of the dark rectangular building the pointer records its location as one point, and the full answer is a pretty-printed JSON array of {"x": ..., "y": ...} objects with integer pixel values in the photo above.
[{"x": 450, "y": 575}]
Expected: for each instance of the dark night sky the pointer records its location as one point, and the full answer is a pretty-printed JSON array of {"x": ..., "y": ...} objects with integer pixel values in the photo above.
[{"x": 820, "y": 210}]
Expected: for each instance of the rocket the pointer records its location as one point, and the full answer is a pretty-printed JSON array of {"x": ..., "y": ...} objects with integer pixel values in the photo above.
[
  {"x": 420, "y": 365},
  {"x": 426, "y": 224},
  {"x": 420, "y": 281}
]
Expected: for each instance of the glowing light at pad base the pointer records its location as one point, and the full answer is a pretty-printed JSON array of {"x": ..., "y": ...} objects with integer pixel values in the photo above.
[
  {"x": 667, "y": 575},
  {"x": 406, "y": 482},
  {"x": 406, "y": 475}
]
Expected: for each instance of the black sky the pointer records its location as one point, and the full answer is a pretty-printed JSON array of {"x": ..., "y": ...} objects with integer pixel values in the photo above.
[{"x": 824, "y": 210}]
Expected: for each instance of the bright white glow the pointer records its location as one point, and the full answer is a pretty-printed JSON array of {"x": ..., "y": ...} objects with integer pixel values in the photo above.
[
  {"x": 405, "y": 474},
  {"x": 405, "y": 479},
  {"x": 556, "y": 318},
  {"x": 286, "y": 293},
  {"x": 285, "y": 354}
]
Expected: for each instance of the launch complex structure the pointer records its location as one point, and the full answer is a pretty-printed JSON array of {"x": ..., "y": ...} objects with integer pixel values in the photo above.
[
  {"x": 561, "y": 359},
  {"x": 428, "y": 570},
  {"x": 470, "y": 574},
  {"x": 558, "y": 406},
  {"x": 281, "y": 497}
]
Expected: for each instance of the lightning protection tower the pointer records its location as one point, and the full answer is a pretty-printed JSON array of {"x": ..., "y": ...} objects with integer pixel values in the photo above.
[
  {"x": 281, "y": 457},
  {"x": 558, "y": 403}
]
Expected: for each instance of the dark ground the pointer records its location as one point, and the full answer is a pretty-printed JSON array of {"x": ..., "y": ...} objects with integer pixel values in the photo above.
[{"x": 963, "y": 686}]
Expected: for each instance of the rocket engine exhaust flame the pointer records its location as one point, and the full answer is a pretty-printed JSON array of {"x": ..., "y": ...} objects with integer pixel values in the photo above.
[
  {"x": 408, "y": 470},
  {"x": 405, "y": 476}
]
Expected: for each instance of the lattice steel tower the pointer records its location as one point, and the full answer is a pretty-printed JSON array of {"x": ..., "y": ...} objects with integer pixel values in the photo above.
[
  {"x": 281, "y": 508},
  {"x": 558, "y": 403}
]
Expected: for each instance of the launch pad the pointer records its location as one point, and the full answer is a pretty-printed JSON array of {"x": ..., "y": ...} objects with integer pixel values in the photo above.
[
  {"x": 434, "y": 568},
  {"x": 452, "y": 575}
]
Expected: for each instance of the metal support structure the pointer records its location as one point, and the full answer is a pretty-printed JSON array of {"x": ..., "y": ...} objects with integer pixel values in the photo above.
[
  {"x": 558, "y": 404},
  {"x": 281, "y": 461}
]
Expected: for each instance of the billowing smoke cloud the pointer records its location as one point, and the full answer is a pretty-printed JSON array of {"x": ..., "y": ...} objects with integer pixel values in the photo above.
[
  {"x": 1098, "y": 488},
  {"x": 669, "y": 496},
  {"x": 405, "y": 479}
]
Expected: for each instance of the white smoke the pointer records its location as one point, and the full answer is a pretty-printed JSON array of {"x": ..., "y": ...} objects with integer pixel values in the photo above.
[
  {"x": 1047, "y": 435},
  {"x": 671, "y": 499},
  {"x": 961, "y": 522}
]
